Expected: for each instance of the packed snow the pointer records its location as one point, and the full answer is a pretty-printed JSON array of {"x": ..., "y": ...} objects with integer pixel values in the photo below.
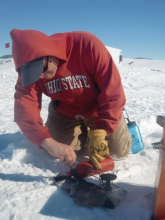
[{"x": 25, "y": 190}]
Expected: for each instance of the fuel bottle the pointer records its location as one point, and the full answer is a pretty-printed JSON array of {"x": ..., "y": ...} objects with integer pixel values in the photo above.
[{"x": 137, "y": 141}]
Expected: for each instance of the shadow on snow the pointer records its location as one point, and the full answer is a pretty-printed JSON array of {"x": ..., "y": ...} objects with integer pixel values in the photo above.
[
  {"x": 60, "y": 205},
  {"x": 6, "y": 139}
]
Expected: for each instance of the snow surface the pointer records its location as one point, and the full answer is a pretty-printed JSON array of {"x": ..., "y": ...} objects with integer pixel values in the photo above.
[{"x": 25, "y": 193}]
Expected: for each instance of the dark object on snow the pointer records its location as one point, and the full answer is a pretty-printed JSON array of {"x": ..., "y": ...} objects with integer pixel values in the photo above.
[
  {"x": 91, "y": 195},
  {"x": 157, "y": 145},
  {"x": 161, "y": 120}
]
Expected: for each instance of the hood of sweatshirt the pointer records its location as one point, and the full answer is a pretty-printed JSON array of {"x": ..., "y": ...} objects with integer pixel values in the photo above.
[{"x": 28, "y": 45}]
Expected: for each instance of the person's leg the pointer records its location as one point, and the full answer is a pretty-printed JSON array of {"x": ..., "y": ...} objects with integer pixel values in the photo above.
[
  {"x": 66, "y": 130},
  {"x": 120, "y": 141}
]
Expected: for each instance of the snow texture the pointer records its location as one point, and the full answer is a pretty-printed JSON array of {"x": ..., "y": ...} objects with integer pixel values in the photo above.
[{"x": 25, "y": 190}]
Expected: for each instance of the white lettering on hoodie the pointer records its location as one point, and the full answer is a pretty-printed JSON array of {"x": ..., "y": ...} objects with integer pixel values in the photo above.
[{"x": 68, "y": 82}]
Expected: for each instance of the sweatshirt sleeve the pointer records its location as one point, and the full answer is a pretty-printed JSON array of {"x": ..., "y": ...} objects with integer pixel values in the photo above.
[
  {"x": 27, "y": 109},
  {"x": 111, "y": 98}
]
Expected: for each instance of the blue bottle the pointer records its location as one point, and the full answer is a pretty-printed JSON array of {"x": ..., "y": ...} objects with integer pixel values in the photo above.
[{"x": 137, "y": 141}]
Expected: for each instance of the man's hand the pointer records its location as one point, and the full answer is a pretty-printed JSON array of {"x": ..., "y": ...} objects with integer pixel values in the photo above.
[
  {"x": 63, "y": 152},
  {"x": 97, "y": 147}
]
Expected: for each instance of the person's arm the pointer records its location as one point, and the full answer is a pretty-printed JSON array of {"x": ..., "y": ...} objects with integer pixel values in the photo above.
[
  {"x": 111, "y": 98},
  {"x": 27, "y": 109},
  {"x": 27, "y": 115}
]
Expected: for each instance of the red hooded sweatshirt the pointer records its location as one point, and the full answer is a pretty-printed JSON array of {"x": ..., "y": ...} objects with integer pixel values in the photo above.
[{"x": 87, "y": 82}]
